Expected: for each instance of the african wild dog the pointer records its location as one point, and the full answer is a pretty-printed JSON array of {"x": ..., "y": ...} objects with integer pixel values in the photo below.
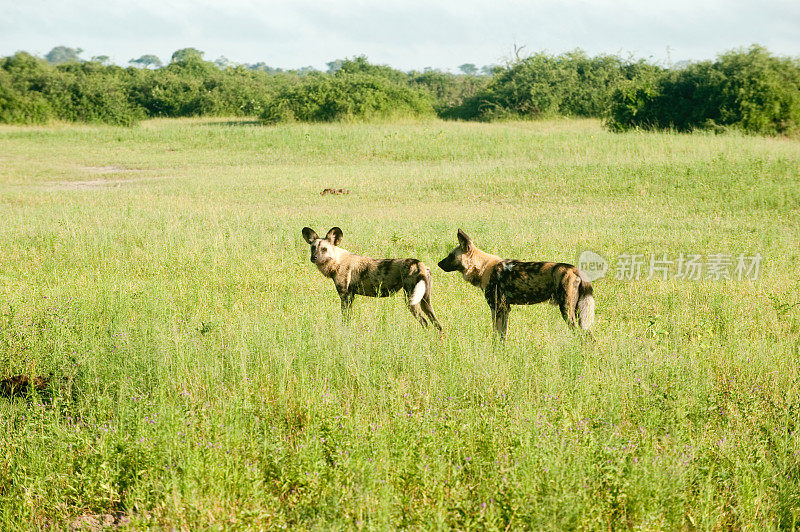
[
  {"x": 507, "y": 282},
  {"x": 357, "y": 275}
]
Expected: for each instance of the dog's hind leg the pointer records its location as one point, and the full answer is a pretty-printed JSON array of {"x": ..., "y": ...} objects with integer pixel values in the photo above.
[
  {"x": 568, "y": 313},
  {"x": 415, "y": 293},
  {"x": 427, "y": 308},
  {"x": 568, "y": 302},
  {"x": 415, "y": 311}
]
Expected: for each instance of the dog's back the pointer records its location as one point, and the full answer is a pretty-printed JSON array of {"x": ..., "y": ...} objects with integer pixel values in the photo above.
[
  {"x": 528, "y": 283},
  {"x": 382, "y": 277}
]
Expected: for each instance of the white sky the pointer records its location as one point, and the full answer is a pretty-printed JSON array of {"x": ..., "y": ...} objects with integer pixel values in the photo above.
[{"x": 406, "y": 34}]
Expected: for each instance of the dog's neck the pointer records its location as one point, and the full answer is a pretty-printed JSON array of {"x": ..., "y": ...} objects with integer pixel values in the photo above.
[
  {"x": 478, "y": 267},
  {"x": 330, "y": 267}
]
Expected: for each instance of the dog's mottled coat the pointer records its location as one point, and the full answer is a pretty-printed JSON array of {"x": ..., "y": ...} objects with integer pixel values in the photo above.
[
  {"x": 507, "y": 282},
  {"x": 358, "y": 275}
]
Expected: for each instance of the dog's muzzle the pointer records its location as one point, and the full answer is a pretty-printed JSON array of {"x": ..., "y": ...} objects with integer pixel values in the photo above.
[{"x": 445, "y": 266}]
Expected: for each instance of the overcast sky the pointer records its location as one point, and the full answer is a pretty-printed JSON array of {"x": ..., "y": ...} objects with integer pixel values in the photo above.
[{"x": 406, "y": 34}]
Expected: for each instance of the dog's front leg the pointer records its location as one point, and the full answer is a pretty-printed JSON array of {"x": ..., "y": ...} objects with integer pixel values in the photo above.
[
  {"x": 500, "y": 321},
  {"x": 347, "y": 305},
  {"x": 500, "y": 310}
]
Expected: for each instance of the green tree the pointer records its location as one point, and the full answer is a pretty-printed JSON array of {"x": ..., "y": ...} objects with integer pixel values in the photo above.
[
  {"x": 468, "y": 69},
  {"x": 63, "y": 54},
  {"x": 306, "y": 70},
  {"x": 263, "y": 67},
  {"x": 186, "y": 54},
  {"x": 333, "y": 66},
  {"x": 146, "y": 61}
]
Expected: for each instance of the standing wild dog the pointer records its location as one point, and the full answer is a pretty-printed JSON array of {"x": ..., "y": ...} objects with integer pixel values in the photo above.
[
  {"x": 355, "y": 274},
  {"x": 507, "y": 282}
]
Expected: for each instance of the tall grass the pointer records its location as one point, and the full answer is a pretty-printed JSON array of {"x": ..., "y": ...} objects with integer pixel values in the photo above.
[{"x": 202, "y": 378}]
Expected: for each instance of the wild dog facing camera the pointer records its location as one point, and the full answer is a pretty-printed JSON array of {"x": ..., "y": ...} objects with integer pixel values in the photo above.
[
  {"x": 322, "y": 249},
  {"x": 359, "y": 275}
]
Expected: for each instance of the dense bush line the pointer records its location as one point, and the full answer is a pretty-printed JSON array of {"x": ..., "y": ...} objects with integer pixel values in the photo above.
[
  {"x": 750, "y": 90},
  {"x": 542, "y": 85},
  {"x": 33, "y": 92}
]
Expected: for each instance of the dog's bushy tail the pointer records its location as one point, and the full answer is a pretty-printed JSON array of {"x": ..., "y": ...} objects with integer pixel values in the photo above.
[
  {"x": 419, "y": 292},
  {"x": 585, "y": 304},
  {"x": 422, "y": 288}
]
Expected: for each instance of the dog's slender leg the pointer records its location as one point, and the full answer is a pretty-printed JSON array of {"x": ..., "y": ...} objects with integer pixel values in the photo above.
[
  {"x": 501, "y": 321},
  {"x": 498, "y": 304},
  {"x": 568, "y": 303},
  {"x": 347, "y": 305},
  {"x": 415, "y": 311},
  {"x": 427, "y": 308},
  {"x": 568, "y": 313}
]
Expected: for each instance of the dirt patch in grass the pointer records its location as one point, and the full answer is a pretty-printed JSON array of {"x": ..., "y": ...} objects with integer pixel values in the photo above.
[
  {"x": 106, "y": 169},
  {"x": 100, "y": 183},
  {"x": 100, "y": 522}
]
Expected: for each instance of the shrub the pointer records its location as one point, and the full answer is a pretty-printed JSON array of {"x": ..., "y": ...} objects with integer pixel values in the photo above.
[
  {"x": 22, "y": 79},
  {"x": 95, "y": 94},
  {"x": 449, "y": 91},
  {"x": 542, "y": 85},
  {"x": 18, "y": 107},
  {"x": 360, "y": 65},
  {"x": 749, "y": 90},
  {"x": 347, "y": 96}
]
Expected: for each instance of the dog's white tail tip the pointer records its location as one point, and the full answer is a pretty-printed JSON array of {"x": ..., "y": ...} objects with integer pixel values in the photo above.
[
  {"x": 417, "y": 294},
  {"x": 586, "y": 312}
]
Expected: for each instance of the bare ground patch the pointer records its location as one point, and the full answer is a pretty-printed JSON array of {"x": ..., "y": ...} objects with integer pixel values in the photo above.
[
  {"x": 106, "y": 169},
  {"x": 100, "y": 183},
  {"x": 100, "y": 522}
]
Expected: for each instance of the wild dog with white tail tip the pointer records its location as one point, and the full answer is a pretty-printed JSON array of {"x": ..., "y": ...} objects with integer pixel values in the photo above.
[
  {"x": 358, "y": 275},
  {"x": 507, "y": 282}
]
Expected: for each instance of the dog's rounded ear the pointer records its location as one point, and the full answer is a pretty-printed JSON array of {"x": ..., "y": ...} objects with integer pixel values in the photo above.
[
  {"x": 334, "y": 235},
  {"x": 309, "y": 235},
  {"x": 464, "y": 241}
]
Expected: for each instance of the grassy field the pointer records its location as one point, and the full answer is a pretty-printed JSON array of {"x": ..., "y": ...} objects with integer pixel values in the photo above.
[{"x": 202, "y": 377}]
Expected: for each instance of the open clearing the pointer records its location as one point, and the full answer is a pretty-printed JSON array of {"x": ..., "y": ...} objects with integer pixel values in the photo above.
[{"x": 202, "y": 378}]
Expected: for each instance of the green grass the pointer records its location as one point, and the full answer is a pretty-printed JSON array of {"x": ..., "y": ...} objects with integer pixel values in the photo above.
[{"x": 202, "y": 377}]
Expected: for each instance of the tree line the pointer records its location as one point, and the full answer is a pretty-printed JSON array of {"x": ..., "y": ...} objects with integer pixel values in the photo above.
[{"x": 748, "y": 89}]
